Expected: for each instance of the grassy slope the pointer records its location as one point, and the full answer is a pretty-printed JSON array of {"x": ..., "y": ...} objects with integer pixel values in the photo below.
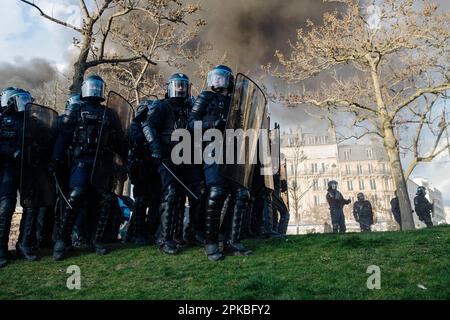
[{"x": 299, "y": 267}]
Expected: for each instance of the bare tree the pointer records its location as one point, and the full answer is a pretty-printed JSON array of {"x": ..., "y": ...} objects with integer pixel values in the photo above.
[
  {"x": 295, "y": 189},
  {"x": 163, "y": 36},
  {"x": 379, "y": 61},
  {"x": 100, "y": 42}
]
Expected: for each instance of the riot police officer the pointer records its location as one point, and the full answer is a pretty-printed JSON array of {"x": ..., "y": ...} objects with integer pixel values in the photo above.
[
  {"x": 362, "y": 211},
  {"x": 423, "y": 207},
  {"x": 336, "y": 202},
  {"x": 144, "y": 176},
  {"x": 164, "y": 117},
  {"x": 90, "y": 130},
  {"x": 211, "y": 110},
  {"x": 395, "y": 209},
  {"x": 13, "y": 103}
]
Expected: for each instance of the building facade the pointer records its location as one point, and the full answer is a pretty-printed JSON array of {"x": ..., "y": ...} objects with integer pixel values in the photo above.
[{"x": 314, "y": 159}]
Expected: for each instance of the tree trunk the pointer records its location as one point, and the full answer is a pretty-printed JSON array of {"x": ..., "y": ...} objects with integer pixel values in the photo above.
[
  {"x": 390, "y": 144},
  {"x": 80, "y": 66}
]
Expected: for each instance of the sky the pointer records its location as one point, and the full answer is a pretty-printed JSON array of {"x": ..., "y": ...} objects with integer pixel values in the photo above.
[{"x": 25, "y": 35}]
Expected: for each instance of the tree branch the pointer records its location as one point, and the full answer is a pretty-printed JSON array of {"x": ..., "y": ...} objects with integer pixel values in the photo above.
[{"x": 65, "y": 24}]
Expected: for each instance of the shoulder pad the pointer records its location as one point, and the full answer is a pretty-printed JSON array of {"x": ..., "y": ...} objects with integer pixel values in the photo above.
[{"x": 206, "y": 95}]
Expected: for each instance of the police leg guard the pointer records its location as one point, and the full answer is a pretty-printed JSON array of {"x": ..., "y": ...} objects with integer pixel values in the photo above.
[
  {"x": 234, "y": 245},
  {"x": 214, "y": 205},
  {"x": 106, "y": 199},
  {"x": 139, "y": 213},
  {"x": 25, "y": 244},
  {"x": 169, "y": 207},
  {"x": 7, "y": 206},
  {"x": 64, "y": 234},
  {"x": 268, "y": 216}
]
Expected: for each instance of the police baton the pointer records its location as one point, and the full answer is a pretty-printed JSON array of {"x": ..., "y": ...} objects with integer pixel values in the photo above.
[
  {"x": 179, "y": 181},
  {"x": 60, "y": 191}
]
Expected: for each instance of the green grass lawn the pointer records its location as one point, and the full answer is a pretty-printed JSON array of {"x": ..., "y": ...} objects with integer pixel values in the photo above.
[{"x": 320, "y": 266}]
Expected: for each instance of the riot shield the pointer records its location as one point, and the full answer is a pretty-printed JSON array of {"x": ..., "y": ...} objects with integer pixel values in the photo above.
[
  {"x": 37, "y": 187},
  {"x": 111, "y": 155},
  {"x": 245, "y": 117}
]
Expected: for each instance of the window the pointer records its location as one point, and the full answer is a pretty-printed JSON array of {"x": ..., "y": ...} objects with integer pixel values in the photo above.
[
  {"x": 347, "y": 154},
  {"x": 361, "y": 184},
  {"x": 314, "y": 167},
  {"x": 370, "y": 167},
  {"x": 316, "y": 200},
  {"x": 311, "y": 140},
  {"x": 348, "y": 169},
  {"x": 373, "y": 184},
  {"x": 350, "y": 185},
  {"x": 383, "y": 167},
  {"x": 315, "y": 184},
  {"x": 325, "y": 183},
  {"x": 369, "y": 153},
  {"x": 323, "y": 167},
  {"x": 292, "y": 168},
  {"x": 359, "y": 169}
]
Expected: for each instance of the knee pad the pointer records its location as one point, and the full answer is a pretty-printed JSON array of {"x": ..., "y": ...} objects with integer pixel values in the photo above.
[
  {"x": 216, "y": 193},
  {"x": 242, "y": 194},
  {"x": 76, "y": 196}
]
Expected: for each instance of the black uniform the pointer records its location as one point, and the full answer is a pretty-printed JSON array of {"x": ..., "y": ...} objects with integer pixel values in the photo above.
[
  {"x": 423, "y": 208},
  {"x": 80, "y": 130},
  {"x": 144, "y": 176},
  {"x": 337, "y": 202},
  {"x": 362, "y": 211},
  {"x": 163, "y": 118},
  {"x": 395, "y": 209}
]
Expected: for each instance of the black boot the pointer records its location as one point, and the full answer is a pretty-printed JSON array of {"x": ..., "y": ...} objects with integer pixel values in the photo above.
[
  {"x": 102, "y": 221},
  {"x": 268, "y": 216},
  {"x": 139, "y": 213},
  {"x": 234, "y": 245},
  {"x": 7, "y": 207},
  {"x": 168, "y": 209},
  {"x": 25, "y": 243},
  {"x": 179, "y": 223},
  {"x": 214, "y": 206},
  {"x": 64, "y": 233}
]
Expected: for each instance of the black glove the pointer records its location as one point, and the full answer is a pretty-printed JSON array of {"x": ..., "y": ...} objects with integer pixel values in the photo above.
[{"x": 157, "y": 156}]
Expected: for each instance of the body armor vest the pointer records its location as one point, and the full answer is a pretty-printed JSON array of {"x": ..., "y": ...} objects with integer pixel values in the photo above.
[
  {"x": 88, "y": 129},
  {"x": 10, "y": 136}
]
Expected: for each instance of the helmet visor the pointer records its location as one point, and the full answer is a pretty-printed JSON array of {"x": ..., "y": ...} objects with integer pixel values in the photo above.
[
  {"x": 218, "y": 78},
  {"x": 5, "y": 97},
  {"x": 93, "y": 88},
  {"x": 333, "y": 185},
  {"x": 178, "y": 89},
  {"x": 22, "y": 99}
]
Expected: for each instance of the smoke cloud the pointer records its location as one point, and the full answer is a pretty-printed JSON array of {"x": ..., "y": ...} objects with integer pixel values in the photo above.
[{"x": 26, "y": 74}]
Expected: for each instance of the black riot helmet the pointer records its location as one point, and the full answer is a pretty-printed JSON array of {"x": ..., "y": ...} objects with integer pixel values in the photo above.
[
  {"x": 73, "y": 102},
  {"x": 221, "y": 77},
  {"x": 93, "y": 87},
  {"x": 421, "y": 191},
  {"x": 18, "y": 100},
  {"x": 360, "y": 196},
  {"x": 332, "y": 185},
  {"x": 6, "y": 93},
  {"x": 178, "y": 86}
]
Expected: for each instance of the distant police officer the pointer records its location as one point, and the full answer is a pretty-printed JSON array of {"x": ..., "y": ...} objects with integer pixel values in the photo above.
[
  {"x": 423, "y": 207},
  {"x": 362, "y": 211},
  {"x": 395, "y": 209},
  {"x": 336, "y": 202}
]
